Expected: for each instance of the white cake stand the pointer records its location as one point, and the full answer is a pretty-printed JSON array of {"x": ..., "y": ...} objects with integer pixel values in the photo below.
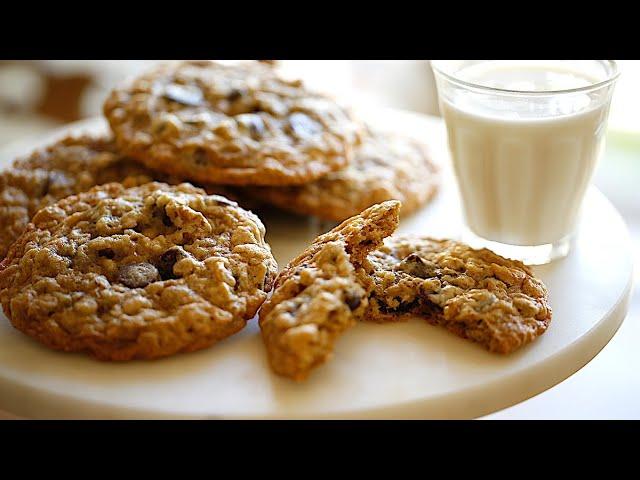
[{"x": 408, "y": 370}]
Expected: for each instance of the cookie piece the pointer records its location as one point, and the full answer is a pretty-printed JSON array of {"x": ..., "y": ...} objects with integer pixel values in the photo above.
[
  {"x": 67, "y": 167},
  {"x": 321, "y": 293},
  {"x": 230, "y": 124},
  {"x": 385, "y": 167},
  {"x": 142, "y": 272},
  {"x": 476, "y": 294}
]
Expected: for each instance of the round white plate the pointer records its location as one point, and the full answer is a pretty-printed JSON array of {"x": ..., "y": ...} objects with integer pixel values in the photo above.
[{"x": 407, "y": 370}]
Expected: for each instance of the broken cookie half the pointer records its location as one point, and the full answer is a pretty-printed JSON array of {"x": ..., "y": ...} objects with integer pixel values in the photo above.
[
  {"x": 476, "y": 294},
  {"x": 323, "y": 292}
]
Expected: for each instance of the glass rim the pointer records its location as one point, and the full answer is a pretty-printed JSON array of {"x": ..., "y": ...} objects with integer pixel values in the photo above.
[{"x": 611, "y": 65}]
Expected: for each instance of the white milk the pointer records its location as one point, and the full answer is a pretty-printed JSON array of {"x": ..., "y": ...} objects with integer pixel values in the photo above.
[{"x": 523, "y": 166}]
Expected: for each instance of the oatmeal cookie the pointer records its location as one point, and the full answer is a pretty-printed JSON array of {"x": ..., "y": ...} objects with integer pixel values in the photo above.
[
  {"x": 476, "y": 294},
  {"x": 142, "y": 272},
  {"x": 320, "y": 294},
  {"x": 239, "y": 125},
  {"x": 385, "y": 167},
  {"x": 67, "y": 167}
]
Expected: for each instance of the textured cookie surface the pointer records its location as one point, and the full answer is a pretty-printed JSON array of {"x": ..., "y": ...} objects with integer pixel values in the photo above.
[
  {"x": 321, "y": 293},
  {"x": 142, "y": 272},
  {"x": 69, "y": 166},
  {"x": 385, "y": 167},
  {"x": 224, "y": 124},
  {"x": 476, "y": 294}
]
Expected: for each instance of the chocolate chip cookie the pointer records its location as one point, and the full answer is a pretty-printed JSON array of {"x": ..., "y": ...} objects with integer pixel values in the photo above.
[
  {"x": 240, "y": 125},
  {"x": 385, "y": 167},
  {"x": 142, "y": 272},
  {"x": 69, "y": 166},
  {"x": 476, "y": 294},
  {"x": 322, "y": 293}
]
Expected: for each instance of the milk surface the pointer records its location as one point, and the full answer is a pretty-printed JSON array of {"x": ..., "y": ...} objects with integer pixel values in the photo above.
[{"x": 523, "y": 164}]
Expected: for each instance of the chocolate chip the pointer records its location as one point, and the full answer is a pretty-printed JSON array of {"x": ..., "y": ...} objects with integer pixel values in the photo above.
[
  {"x": 353, "y": 300},
  {"x": 383, "y": 307},
  {"x": 252, "y": 123},
  {"x": 167, "y": 260},
  {"x": 107, "y": 253},
  {"x": 303, "y": 126},
  {"x": 138, "y": 275},
  {"x": 166, "y": 219},
  {"x": 407, "y": 306},
  {"x": 161, "y": 214},
  {"x": 200, "y": 156},
  {"x": 186, "y": 95},
  {"x": 403, "y": 307},
  {"x": 234, "y": 95},
  {"x": 416, "y": 266}
]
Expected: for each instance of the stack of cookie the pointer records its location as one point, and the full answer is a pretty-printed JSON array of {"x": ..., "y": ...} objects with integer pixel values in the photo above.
[
  {"x": 282, "y": 144},
  {"x": 137, "y": 246}
]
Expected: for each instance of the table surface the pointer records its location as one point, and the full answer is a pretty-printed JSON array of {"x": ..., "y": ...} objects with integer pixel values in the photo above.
[{"x": 585, "y": 317}]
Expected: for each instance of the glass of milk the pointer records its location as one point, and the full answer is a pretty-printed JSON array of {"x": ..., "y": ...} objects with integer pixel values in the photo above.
[{"x": 525, "y": 137}]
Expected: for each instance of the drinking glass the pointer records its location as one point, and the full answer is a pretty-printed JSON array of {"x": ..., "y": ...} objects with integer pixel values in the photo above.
[{"x": 525, "y": 138}]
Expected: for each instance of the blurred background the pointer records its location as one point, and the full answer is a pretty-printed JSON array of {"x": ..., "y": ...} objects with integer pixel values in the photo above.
[{"x": 36, "y": 96}]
